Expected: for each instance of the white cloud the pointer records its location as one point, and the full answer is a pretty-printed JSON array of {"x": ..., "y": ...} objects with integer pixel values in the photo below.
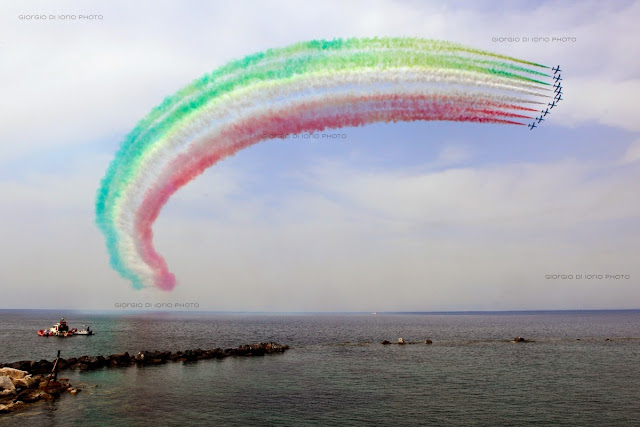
[
  {"x": 456, "y": 239},
  {"x": 452, "y": 155},
  {"x": 465, "y": 238},
  {"x": 536, "y": 195},
  {"x": 632, "y": 154},
  {"x": 595, "y": 100}
]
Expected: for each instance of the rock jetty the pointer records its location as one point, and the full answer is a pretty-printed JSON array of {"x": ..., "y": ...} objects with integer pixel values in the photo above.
[
  {"x": 24, "y": 381},
  {"x": 145, "y": 358}
]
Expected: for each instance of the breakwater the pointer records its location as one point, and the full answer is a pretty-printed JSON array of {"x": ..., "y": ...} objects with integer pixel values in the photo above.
[{"x": 29, "y": 381}]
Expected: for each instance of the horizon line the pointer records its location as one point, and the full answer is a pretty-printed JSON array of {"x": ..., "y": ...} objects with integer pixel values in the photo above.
[{"x": 151, "y": 310}]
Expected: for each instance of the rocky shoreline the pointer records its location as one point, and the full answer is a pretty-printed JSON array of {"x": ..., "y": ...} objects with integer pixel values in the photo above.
[{"x": 25, "y": 381}]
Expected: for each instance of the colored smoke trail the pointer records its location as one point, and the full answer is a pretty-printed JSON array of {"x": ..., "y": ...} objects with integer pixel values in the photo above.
[{"x": 308, "y": 87}]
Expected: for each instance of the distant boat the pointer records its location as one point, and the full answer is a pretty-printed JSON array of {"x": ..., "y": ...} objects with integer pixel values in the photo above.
[
  {"x": 60, "y": 329},
  {"x": 374, "y": 313},
  {"x": 86, "y": 330}
]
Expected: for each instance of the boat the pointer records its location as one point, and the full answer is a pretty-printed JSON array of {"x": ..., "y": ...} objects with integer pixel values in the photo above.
[
  {"x": 86, "y": 330},
  {"x": 60, "y": 329}
]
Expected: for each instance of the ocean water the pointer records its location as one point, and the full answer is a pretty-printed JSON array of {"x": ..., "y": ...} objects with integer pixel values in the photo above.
[{"x": 338, "y": 373}]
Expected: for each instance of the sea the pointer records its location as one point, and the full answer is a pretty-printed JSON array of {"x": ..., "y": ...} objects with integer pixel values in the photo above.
[{"x": 580, "y": 368}]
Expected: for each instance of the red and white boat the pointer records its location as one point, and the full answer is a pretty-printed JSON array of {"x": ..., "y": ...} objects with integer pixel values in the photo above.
[{"x": 60, "y": 329}]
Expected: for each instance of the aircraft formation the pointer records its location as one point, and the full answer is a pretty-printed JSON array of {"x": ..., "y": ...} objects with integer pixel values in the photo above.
[{"x": 557, "y": 97}]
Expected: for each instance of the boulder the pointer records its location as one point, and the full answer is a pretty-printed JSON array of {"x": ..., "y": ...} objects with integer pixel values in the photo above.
[
  {"x": 164, "y": 355},
  {"x": 95, "y": 362},
  {"x": 26, "y": 382},
  {"x": 6, "y": 385},
  {"x": 41, "y": 367},
  {"x": 62, "y": 364},
  {"x": 520, "y": 339},
  {"x": 142, "y": 357},
  {"x": 23, "y": 365},
  {"x": 272, "y": 347},
  {"x": 14, "y": 374},
  {"x": 190, "y": 355},
  {"x": 386, "y": 342},
  {"x": 31, "y": 395},
  {"x": 121, "y": 359},
  {"x": 428, "y": 342}
]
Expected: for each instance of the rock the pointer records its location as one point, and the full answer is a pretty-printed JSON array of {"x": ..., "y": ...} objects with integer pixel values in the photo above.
[
  {"x": 23, "y": 365},
  {"x": 164, "y": 355},
  {"x": 190, "y": 355},
  {"x": 5, "y": 409},
  {"x": 31, "y": 395},
  {"x": 121, "y": 359},
  {"x": 386, "y": 342},
  {"x": 6, "y": 386},
  {"x": 401, "y": 341},
  {"x": 428, "y": 342},
  {"x": 26, "y": 382},
  {"x": 73, "y": 390},
  {"x": 14, "y": 374},
  {"x": 273, "y": 347},
  {"x": 46, "y": 396},
  {"x": 519, "y": 339},
  {"x": 144, "y": 358},
  {"x": 95, "y": 362},
  {"x": 41, "y": 367},
  {"x": 62, "y": 364}
]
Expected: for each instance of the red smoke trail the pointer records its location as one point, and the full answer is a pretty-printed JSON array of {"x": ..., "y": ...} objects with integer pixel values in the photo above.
[{"x": 310, "y": 116}]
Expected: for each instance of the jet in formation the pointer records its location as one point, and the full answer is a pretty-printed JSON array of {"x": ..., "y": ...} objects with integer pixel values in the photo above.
[{"x": 557, "y": 97}]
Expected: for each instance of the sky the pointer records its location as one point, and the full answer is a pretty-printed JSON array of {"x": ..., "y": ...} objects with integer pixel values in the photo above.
[{"x": 425, "y": 216}]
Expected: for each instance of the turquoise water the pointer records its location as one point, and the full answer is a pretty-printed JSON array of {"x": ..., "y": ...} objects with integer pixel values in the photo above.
[{"x": 338, "y": 373}]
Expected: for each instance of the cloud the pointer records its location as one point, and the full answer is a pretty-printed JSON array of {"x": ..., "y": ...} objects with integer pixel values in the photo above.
[
  {"x": 590, "y": 100},
  {"x": 632, "y": 154},
  {"x": 560, "y": 194},
  {"x": 459, "y": 238},
  {"x": 452, "y": 155}
]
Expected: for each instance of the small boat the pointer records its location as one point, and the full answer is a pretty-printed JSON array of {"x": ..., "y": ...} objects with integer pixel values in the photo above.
[
  {"x": 60, "y": 329},
  {"x": 86, "y": 330}
]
